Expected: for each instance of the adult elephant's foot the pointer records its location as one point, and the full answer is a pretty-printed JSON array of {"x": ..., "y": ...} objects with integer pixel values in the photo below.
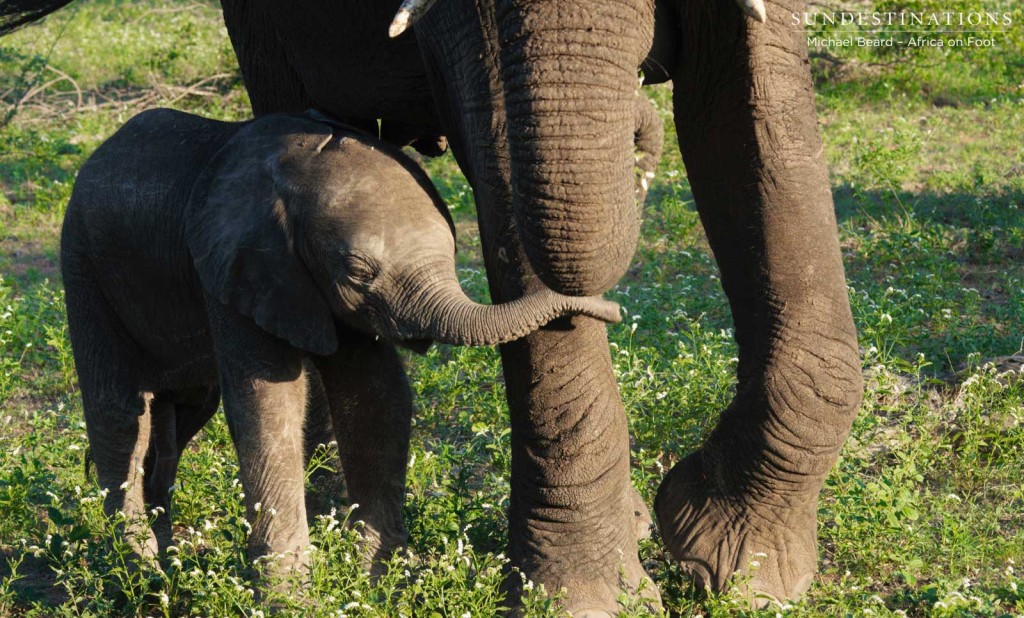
[
  {"x": 594, "y": 593},
  {"x": 643, "y": 523},
  {"x": 764, "y": 543},
  {"x": 590, "y": 571}
]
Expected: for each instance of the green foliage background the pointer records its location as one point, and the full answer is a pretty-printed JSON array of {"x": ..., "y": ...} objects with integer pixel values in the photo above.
[{"x": 966, "y": 74}]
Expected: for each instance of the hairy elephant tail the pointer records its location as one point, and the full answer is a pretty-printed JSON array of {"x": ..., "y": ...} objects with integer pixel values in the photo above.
[{"x": 17, "y": 13}]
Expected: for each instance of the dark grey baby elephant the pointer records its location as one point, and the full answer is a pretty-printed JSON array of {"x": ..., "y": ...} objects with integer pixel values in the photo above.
[{"x": 268, "y": 257}]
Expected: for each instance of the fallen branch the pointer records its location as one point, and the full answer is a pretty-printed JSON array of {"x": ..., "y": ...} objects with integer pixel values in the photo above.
[
  {"x": 194, "y": 89},
  {"x": 61, "y": 76}
]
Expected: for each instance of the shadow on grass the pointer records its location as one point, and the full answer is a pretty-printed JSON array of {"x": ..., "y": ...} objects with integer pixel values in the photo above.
[
  {"x": 964, "y": 209},
  {"x": 948, "y": 268},
  {"x": 978, "y": 233},
  {"x": 35, "y": 580},
  {"x": 945, "y": 270}
]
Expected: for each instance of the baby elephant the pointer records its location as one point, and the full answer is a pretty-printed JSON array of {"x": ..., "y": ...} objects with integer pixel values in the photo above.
[{"x": 268, "y": 257}]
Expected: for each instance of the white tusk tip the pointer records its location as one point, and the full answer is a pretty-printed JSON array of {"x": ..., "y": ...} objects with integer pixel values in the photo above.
[
  {"x": 400, "y": 23},
  {"x": 754, "y": 9}
]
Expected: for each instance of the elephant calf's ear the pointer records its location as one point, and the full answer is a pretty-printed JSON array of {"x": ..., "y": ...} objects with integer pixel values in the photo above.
[{"x": 239, "y": 233}]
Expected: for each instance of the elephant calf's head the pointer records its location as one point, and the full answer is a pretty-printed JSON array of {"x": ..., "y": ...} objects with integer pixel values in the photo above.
[{"x": 299, "y": 222}]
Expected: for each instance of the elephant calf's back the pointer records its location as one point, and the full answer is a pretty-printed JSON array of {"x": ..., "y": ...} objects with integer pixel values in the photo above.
[{"x": 123, "y": 240}]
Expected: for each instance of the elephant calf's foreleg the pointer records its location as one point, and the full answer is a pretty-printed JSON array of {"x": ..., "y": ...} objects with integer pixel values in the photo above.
[
  {"x": 264, "y": 390},
  {"x": 175, "y": 420},
  {"x": 326, "y": 486},
  {"x": 266, "y": 418},
  {"x": 371, "y": 407}
]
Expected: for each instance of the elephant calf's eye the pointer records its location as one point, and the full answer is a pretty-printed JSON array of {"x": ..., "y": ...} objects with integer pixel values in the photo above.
[{"x": 359, "y": 269}]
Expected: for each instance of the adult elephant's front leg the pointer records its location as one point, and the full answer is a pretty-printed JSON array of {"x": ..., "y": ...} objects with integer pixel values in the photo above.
[
  {"x": 264, "y": 390},
  {"x": 572, "y": 514},
  {"x": 747, "y": 127}
]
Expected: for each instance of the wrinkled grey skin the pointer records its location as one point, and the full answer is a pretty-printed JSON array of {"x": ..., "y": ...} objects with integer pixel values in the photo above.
[
  {"x": 264, "y": 258},
  {"x": 537, "y": 99}
]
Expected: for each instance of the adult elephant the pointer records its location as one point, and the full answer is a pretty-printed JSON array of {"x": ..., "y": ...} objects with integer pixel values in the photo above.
[{"x": 538, "y": 100}]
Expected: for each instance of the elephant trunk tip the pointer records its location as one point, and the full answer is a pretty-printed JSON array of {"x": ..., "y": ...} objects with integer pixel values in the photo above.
[{"x": 598, "y": 308}]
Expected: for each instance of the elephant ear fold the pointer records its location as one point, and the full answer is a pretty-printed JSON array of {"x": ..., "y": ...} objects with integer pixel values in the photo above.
[{"x": 239, "y": 230}]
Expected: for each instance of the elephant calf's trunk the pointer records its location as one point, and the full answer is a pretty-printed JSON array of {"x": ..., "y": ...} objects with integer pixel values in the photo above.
[{"x": 451, "y": 317}]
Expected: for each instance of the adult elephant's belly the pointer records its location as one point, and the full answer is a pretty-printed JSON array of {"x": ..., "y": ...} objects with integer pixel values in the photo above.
[{"x": 350, "y": 67}]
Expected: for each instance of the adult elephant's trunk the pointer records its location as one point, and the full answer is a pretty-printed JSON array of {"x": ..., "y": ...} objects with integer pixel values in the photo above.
[
  {"x": 571, "y": 93},
  {"x": 444, "y": 313}
]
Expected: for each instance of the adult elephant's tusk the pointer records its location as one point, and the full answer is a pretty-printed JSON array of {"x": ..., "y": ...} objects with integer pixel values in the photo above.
[
  {"x": 408, "y": 14},
  {"x": 753, "y": 8}
]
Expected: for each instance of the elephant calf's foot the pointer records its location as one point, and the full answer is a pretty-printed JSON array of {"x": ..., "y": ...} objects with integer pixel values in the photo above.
[
  {"x": 767, "y": 542},
  {"x": 379, "y": 544}
]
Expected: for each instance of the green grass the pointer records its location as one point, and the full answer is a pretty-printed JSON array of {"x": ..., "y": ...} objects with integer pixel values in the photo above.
[{"x": 923, "y": 515}]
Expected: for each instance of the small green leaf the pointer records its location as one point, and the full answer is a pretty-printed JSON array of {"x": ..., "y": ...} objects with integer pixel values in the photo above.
[
  {"x": 78, "y": 533},
  {"x": 56, "y": 544},
  {"x": 57, "y": 517}
]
